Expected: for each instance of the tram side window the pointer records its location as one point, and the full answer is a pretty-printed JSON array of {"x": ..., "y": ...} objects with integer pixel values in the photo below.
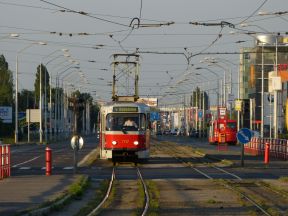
[
  {"x": 111, "y": 122},
  {"x": 143, "y": 124}
]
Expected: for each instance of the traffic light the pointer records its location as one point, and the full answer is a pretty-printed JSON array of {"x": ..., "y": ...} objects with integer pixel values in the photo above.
[
  {"x": 246, "y": 113},
  {"x": 246, "y": 106}
]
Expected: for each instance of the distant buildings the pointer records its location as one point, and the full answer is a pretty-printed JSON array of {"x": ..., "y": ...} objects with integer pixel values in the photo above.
[{"x": 252, "y": 60}]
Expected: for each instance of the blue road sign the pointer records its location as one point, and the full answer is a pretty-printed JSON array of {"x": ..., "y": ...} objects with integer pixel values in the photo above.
[
  {"x": 154, "y": 116},
  {"x": 200, "y": 114},
  {"x": 244, "y": 135}
]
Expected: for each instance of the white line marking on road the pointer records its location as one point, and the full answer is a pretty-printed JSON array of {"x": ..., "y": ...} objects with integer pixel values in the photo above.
[
  {"x": 68, "y": 168},
  {"x": 16, "y": 165},
  {"x": 44, "y": 168},
  {"x": 25, "y": 168}
]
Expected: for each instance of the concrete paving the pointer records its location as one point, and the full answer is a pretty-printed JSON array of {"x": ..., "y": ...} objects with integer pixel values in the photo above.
[{"x": 29, "y": 191}]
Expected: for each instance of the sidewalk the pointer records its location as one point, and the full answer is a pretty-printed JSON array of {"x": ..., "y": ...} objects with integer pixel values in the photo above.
[
  {"x": 29, "y": 191},
  {"x": 233, "y": 154}
]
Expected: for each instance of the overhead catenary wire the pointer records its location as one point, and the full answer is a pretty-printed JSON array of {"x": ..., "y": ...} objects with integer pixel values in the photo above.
[
  {"x": 254, "y": 12},
  {"x": 85, "y": 14}
]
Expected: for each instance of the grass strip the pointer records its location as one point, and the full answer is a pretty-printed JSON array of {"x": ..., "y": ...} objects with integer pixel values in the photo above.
[
  {"x": 74, "y": 191},
  {"x": 100, "y": 193},
  {"x": 154, "y": 195}
]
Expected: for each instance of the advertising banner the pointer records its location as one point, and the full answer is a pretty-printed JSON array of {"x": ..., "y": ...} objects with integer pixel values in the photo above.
[
  {"x": 6, "y": 114},
  {"x": 152, "y": 102}
]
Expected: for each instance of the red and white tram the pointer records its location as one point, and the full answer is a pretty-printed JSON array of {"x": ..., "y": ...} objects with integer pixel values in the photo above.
[{"x": 122, "y": 141}]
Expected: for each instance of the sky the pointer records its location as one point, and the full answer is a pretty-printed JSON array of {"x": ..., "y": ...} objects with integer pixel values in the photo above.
[{"x": 174, "y": 39}]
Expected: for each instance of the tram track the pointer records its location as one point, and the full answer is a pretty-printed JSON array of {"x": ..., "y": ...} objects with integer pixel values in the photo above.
[
  {"x": 253, "y": 195},
  {"x": 120, "y": 201}
]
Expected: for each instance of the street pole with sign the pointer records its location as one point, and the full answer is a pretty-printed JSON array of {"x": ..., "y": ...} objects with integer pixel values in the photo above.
[
  {"x": 77, "y": 143},
  {"x": 243, "y": 136}
]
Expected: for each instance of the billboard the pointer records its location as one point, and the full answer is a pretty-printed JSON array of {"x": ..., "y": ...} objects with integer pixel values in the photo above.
[
  {"x": 33, "y": 115},
  {"x": 152, "y": 102},
  {"x": 6, "y": 114}
]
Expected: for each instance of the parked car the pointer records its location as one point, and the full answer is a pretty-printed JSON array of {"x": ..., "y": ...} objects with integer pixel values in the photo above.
[
  {"x": 166, "y": 132},
  {"x": 181, "y": 132},
  {"x": 174, "y": 131},
  {"x": 194, "y": 133},
  {"x": 159, "y": 132}
]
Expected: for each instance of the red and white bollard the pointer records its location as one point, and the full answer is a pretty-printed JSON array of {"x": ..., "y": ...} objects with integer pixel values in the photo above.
[
  {"x": 1, "y": 164},
  {"x": 48, "y": 161},
  {"x": 267, "y": 152},
  {"x": 7, "y": 161}
]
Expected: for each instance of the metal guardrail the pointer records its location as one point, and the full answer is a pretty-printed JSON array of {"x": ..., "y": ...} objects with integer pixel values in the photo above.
[{"x": 278, "y": 147}]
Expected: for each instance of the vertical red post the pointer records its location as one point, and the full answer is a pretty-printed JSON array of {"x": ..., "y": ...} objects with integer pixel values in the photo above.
[
  {"x": 1, "y": 165},
  {"x": 4, "y": 161},
  {"x": 48, "y": 161},
  {"x": 267, "y": 151},
  {"x": 9, "y": 160}
]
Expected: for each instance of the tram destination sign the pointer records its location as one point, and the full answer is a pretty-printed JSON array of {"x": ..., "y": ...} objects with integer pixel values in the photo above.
[{"x": 125, "y": 109}]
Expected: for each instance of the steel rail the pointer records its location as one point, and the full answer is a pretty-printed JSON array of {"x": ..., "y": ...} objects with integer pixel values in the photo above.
[
  {"x": 106, "y": 196},
  {"x": 147, "y": 198},
  {"x": 224, "y": 184}
]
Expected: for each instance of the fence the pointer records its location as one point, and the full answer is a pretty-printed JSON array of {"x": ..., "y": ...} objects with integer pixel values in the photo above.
[
  {"x": 5, "y": 167},
  {"x": 278, "y": 147}
]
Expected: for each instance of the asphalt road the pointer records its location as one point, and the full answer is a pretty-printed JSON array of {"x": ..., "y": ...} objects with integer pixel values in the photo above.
[{"x": 29, "y": 160}]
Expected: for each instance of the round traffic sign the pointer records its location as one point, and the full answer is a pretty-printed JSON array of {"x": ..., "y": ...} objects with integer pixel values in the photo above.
[
  {"x": 244, "y": 135},
  {"x": 77, "y": 142}
]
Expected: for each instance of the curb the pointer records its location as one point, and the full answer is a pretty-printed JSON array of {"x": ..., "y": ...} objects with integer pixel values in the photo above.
[{"x": 49, "y": 208}]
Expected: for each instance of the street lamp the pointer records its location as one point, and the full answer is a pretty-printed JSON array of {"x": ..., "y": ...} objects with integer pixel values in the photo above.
[
  {"x": 45, "y": 98},
  {"x": 223, "y": 93},
  {"x": 12, "y": 35},
  {"x": 65, "y": 103},
  {"x": 58, "y": 109},
  {"x": 211, "y": 71},
  {"x": 16, "y": 88},
  {"x": 50, "y": 90},
  {"x": 227, "y": 62}
]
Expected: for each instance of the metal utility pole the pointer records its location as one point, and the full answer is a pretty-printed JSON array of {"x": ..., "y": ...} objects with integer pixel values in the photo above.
[
  {"x": 276, "y": 96},
  {"x": 262, "y": 94},
  {"x": 40, "y": 107}
]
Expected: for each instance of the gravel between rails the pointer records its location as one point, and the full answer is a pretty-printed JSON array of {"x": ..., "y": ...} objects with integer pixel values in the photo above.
[{"x": 124, "y": 200}]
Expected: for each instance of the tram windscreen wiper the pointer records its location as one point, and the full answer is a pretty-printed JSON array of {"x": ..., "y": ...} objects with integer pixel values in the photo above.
[{"x": 124, "y": 130}]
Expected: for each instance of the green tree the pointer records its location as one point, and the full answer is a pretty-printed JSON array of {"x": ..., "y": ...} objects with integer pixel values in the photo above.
[
  {"x": 83, "y": 100},
  {"x": 6, "y": 83},
  {"x": 44, "y": 81},
  {"x": 197, "y": 99},
  {"x": 26, "y": 100},
  {"x": 6, "y": 94},
  {"x": 94, "y": 116}
]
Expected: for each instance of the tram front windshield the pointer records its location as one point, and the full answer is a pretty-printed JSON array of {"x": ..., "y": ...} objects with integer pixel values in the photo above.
[{"x": 127, "y": 122}]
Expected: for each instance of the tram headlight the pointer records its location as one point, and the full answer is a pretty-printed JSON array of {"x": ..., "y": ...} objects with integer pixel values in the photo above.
[
  {"x": 136, "y": 143},
  {"x": 114, "y": 142}
]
